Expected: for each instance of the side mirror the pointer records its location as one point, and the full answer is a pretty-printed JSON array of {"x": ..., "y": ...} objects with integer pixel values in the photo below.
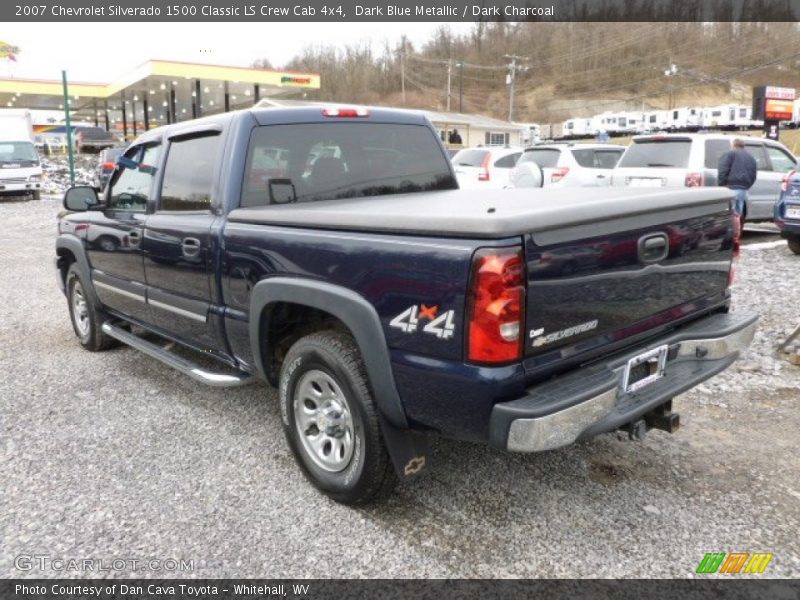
[{"x": 80, "y": 198}]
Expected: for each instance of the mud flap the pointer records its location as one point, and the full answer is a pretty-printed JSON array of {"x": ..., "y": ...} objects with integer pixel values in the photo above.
[{"x": 409, "y": 450}]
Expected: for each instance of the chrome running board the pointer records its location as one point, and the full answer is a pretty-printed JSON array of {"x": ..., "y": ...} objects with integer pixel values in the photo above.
[{"x": 178, "y": 363}]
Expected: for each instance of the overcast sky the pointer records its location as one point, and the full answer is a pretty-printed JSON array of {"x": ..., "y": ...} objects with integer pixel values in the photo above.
[{"x": 103, "y": 51}]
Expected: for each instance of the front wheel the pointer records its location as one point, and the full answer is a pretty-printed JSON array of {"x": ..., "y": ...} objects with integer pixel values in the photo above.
[
  {"x": 794, "y": 244},
  {"x": 87, "y": 319},
  {"x": 331, "y": 421}
]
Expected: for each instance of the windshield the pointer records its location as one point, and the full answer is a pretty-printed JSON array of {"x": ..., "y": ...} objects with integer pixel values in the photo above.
[
  {"x": 669, "y": 153},
  {"x": 325, "y": 161},
  {"x": 17, "y": 152}
]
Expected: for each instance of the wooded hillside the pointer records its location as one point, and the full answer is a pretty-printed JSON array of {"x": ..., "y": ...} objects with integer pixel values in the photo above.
[{"x": 569, "y": 69}]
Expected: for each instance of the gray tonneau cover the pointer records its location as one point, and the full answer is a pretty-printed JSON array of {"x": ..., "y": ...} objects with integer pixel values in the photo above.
[{"x": 551, "y": 215}]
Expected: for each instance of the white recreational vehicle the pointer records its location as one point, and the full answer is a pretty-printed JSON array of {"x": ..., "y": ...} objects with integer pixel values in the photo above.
[
  {"x": 685, "y": 118},
  {"x": 578, "y": 128}
]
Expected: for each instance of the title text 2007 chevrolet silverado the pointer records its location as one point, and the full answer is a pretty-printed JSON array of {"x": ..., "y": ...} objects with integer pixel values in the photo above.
[{"x": 330, "y": 252}]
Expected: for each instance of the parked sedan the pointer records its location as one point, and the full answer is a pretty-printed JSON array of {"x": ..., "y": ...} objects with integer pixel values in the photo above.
[
  {"x": 567, "y": 165},
  {"x": 485, "y": 167},
  {"x": 787, "y": 210}
]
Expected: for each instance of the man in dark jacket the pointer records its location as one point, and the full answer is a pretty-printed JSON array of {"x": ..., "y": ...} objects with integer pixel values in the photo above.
[{"x": 737, "y": 170}]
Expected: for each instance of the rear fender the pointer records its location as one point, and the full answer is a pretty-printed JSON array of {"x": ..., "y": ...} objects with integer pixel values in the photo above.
[{"x": 351, "y": 309}]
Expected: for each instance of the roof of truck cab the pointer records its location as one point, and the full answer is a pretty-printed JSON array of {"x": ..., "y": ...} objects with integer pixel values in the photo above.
[{"x": 280, "y": 115}]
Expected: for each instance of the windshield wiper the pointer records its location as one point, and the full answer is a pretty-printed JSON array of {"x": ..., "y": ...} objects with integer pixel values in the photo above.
[{"x": 659, "y": 165}]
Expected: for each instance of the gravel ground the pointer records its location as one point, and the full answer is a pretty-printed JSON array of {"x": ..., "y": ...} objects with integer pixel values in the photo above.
[{"x": 113, "y": 456}]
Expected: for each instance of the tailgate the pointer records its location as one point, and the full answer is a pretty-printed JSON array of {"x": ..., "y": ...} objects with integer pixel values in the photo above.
[{"x": 634, "y": 275}]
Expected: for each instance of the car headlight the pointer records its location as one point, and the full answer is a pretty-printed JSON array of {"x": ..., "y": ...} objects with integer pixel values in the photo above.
[{"x": 35, "y": 178}]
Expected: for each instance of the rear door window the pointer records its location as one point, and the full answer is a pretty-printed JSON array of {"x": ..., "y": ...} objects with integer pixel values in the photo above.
[
  {"x": 311, "y": 162},
  {"x": 714, "y": 151},
  {"x": 470, "y": 158},
  {"x": 507, "y": 162},
  {"x": 189, "y": 174},
  {"x": 757, "y": 152},
  {"x": 669, "y": 153},
  {"x": 544, "y": 157}
]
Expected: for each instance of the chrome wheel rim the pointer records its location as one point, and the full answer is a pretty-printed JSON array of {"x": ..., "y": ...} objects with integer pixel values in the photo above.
[
  {"x": 80, "y": 310},
  {"x": 323, "y": 421}
]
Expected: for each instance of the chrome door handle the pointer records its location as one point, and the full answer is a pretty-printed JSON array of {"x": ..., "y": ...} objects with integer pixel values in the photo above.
[{"x": 190, "y": 246}]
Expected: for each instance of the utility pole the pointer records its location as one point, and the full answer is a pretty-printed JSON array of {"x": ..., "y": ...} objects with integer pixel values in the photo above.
[
  {"x": 511, "y": 79},
  {"x": 449, "y": 74},
  {"x": 460, "y": 87},
  {"x": 403, "y": 69},
  {"x": 670, "y": 73}
]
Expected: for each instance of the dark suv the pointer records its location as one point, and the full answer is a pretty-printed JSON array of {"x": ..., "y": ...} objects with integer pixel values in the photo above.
[{"x": 93, "y": 139}]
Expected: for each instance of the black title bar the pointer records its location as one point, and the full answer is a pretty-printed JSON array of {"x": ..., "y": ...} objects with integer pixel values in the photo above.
[{"x": 420, "y": 10}]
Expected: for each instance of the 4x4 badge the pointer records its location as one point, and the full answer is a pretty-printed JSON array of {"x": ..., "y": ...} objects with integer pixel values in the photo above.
[{"x": 442, "y": 326}]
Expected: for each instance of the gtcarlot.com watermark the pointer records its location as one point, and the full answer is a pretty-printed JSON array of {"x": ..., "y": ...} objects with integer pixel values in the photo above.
[{"x": 45, "y": 562}]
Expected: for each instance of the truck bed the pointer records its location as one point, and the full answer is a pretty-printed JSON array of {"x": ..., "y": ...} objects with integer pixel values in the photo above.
[{"x": 551, "y": 216}]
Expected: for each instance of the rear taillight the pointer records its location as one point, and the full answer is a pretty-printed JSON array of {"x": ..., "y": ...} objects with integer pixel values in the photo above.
[
  {"x": 694, "y": 180},
  {"x": 558, "y": 174},
  {"x": 108, "y": 166},
  {"x": 785, "y": 181},
  {"x": 483, "y": 174},
  {"x": 496, "y": 311}
]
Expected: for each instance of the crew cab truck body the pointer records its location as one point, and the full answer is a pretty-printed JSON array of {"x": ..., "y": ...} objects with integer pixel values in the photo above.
[{"x": 384, "y": 303}]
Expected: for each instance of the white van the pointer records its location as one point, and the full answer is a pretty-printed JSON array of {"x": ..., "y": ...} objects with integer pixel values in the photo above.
[{"x": 20, "y": 169}]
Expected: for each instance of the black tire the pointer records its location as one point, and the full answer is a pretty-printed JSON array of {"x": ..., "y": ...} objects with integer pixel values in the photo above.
[
  {"x": 366, "y": 472},
  {"x": 794, "y": 244},
  {"x": 37, "y": 195},
  {"x": 87, "y": 326}
]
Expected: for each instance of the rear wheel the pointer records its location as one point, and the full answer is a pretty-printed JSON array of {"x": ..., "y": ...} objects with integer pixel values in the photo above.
[
  {"x": 331, "y": 421},
  {"x": 87, "y": 319},
  {"x": 794, "y": 244}
]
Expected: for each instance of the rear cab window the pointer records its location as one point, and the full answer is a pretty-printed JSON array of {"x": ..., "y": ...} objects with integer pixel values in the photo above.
[
  {"x": 657, "y": 153},
  {"x": 312, "y": 162}
]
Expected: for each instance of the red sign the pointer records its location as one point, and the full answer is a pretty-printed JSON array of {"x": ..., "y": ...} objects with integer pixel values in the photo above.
[{"x": 778, "y": 110}]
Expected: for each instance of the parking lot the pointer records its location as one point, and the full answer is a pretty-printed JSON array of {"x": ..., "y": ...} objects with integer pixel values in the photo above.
[{"x": 113, "y": 455}]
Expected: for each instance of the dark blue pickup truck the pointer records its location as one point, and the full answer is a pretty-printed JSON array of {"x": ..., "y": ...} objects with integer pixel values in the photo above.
[{"x": 329, "y": 252}]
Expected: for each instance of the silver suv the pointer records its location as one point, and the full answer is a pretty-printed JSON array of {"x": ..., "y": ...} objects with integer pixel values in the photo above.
[{"x": 691, "y": 160}]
